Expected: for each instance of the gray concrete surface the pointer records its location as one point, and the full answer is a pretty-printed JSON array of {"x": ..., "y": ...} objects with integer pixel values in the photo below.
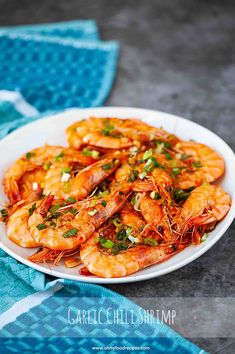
[{"x": 176, "y": 56}]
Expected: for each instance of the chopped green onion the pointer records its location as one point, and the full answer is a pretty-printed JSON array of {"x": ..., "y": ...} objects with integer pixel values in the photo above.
[
  {"x": 47, "y": 166},
  {"x": 71, "y": 200},
  {"x": 41, "y": 227},
  {"x": 133, "y": 176},
  {"x": 104, "y": 203},
  {"x": 204, "y": 237},
  {"x": 106, "y": 243},
  {"x": 180, "y": 194},
  {"x": 103, "y": 194},
  {"x": 166, "y": 144},
  {"x": 117, "y": 222},
  {"x": 65, "y": 170},
  {"x": 121, "y": 235},
  {"x": 107, "y": 166},
  {"x": 184, "y": 157},
  {"x": 150, "y": 241},
  {"x": 93, "y": 153},
  {"x": 70, "y": 233},
  {"x": 197, "y": 164},
  {"x": 54, "y": 208},
  {"x": 4, "y": 214},
  {"x": 107, "y": 130},
  {"x": 147, "y": 154},
  {"x": 142, "y": 175},
  {"x": 71, "y": 211},
  {"x": 59, "y": 157},
  {"x": 155, "y": 195},
  {"x": 29, "y": 155},
  {"x": 31, "y": 210},
  {"x": 176, "y": 171},
  {"x": 168, "y": 156}
]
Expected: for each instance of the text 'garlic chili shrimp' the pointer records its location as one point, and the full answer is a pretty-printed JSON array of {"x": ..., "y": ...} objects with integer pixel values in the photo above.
[
  {"x": 203, "y": 164},
  {"x": 112, "y": 133},
  {"x": 62, "y": 232},
  {"x": 63, "y": 182},
  {"x": 126, "y": 262}
]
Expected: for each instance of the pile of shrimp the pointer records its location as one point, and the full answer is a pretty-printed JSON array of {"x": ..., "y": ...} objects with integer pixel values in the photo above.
[{"x": 123, "y": 196}]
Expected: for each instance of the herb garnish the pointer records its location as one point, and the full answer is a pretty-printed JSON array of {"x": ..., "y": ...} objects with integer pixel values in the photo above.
[
  {"x": 71, "y": 200},
  {"x": 133, "y": 176},
  {"x": 59, "y": 157},
  {"x": 31, "y": 210},
  {"x": 104, "y": 203},
  {"x": 106, "y": 243},
  {"x": 41, "y": 227},
  {"x": 29, "y": 155},
  {"x": 70, "y": 233},
  {"x": 150, "y": 241},
  {"x": 4, "y": 214}
]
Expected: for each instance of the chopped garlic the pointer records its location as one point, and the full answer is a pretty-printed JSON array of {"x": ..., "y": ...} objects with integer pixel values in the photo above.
[
  {"x": 178, "y": 156},
  {"x": 85, "y": 139},
  {"x": 65, "y": 177},
  {"x": 35, "y": 186},
  {"x": 134, "y": 150},
  {"x": 153, "y": 195},
  {"x": 133, "y": 239}
]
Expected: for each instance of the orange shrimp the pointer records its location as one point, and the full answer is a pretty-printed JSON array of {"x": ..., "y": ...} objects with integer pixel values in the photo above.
[
  {"x": 206, "y": 204},
  {"x": 112, "y": 133},
  {"x": 157, "y": 218},
  {"x": 28, "y": 172},
  {"x": 203, "y": 164},
  {"x": 18, "y": 229},
  {"x": 126, "y": 262},
  {"x": 78, "y": 185},
  {"x": 158, "y": 181},
  {"x": 67, "y": 232}
]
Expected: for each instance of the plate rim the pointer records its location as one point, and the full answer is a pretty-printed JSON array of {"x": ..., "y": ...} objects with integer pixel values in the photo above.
[{"x": 135, "y": 277}]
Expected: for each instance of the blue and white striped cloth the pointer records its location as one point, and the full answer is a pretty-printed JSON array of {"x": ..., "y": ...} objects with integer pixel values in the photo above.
[{"x": 48, "y": 68}]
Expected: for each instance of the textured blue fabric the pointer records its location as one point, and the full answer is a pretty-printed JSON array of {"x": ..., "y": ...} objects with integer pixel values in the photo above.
[
  {"x": 81, "y": 30},
  {"x": 53, "y": 67},
  {"x": 54, "y": 73}
]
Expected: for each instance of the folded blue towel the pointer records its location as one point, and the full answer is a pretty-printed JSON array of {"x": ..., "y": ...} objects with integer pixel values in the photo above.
[{"x": 51, "y": 67}]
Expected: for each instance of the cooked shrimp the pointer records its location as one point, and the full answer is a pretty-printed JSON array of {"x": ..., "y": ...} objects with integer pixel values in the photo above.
[
  {"x": 156, "y": 217},
  {"x": 126, "y": 262},
  {"x": 18, "y": 229},
  {"x": 203, "y": 164},
  {"x": 78, "y": 185},
  {"x": 112, "y": 133},
  {"x": 205, "y": 205},
  {"x": 134, "y": 221},
  {"x": 68, "y": 232},
  {"x": 158, "y": 180},
  {"x": 19, "y": 176}
]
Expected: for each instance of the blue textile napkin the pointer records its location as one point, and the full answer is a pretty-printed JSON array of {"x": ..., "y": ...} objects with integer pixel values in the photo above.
[{"x": 44, "y": 68}]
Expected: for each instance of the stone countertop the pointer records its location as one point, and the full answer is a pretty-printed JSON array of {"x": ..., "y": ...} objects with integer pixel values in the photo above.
[{"x": 175, "y": 57}]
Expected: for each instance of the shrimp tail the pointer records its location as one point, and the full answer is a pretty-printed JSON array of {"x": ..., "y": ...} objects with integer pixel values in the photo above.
[
  {"x": 11, "y": 186},
  {"x": 45, "y": 206}
]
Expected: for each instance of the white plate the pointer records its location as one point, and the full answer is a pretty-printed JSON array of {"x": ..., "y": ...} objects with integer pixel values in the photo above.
[{"x": 51, "y": 130}]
